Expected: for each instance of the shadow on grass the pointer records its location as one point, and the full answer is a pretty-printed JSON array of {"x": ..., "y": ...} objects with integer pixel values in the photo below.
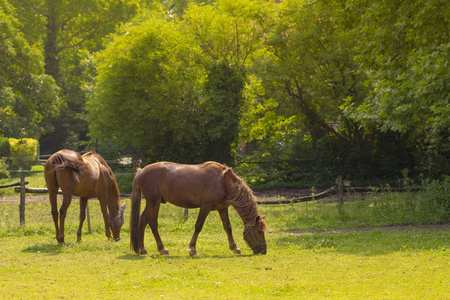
[
  {"x": 52, "y": 248},
  {"x": 132, "y": 256}
]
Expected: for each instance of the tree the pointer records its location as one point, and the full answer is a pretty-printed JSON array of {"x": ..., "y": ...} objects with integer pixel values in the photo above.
[
  {"x": 147, "y": 94},
  {"x": 404, "y": 51},
  {"x": 229, "y": 34},
  {"x": 28, "y": 97},
  {"x": 67, "y": 31},
  {"x": 222, "y": 111}
]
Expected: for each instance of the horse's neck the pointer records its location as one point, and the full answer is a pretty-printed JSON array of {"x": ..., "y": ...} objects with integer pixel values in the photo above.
[
  {"x": 113, "y": 199},
  {"x": 248, "y": 213}
]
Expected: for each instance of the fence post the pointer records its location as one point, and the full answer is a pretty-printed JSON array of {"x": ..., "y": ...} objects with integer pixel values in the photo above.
[
  {"x": 186, "y": 213},
  {"x": 340, "y": 184},
  {"x": 22, "y": 201}
]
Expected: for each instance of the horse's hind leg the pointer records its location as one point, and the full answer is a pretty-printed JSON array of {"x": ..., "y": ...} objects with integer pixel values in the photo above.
[
  {"x": 83, "y": 204},
  {"x": 67, "y": 199},
  {"x": 53, "y": 193},
  {"x": 52, "y": 187},
  {"x": 227, "y": 227},
  {"x": 198, "y": 227}
]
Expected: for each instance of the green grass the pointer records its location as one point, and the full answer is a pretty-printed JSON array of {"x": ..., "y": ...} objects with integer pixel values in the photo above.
[
  {"x": 342, "y": 264},
  {"x": 35, "y": 180}
]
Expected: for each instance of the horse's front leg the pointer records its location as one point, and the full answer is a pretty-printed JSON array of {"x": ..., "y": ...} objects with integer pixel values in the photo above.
[
  {"x": 104, "y": 209},
  {"x": 227, "y": 227},
  {"x": 198, "y": 227},
  {"x": 153, "y": 211},
  {"x": 83, "y": 204}
]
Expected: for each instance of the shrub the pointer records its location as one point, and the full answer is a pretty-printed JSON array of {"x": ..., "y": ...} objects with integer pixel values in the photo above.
[
  {"x": 4, "y": 147},
  {"x": 23, "y": 151},
  {"x": 3, "y": 168},
  {"x": 124, "y": 183}
]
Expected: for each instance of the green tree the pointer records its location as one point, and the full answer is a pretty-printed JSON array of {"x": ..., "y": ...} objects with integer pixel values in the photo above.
[
  {"x": 229, "y": 34},
  {"x": 296, "y": 100},
  {"x": 68, "y": 31},
  {"x": 222, "y": 111},
  {"x": 28, "y": 97},
  {"x": 148, "y": 92},
  {"x": 404, "y": 50}
]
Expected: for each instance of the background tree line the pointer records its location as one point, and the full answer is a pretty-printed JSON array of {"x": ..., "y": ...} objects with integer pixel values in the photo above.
[{"x": 347, "y": 87}]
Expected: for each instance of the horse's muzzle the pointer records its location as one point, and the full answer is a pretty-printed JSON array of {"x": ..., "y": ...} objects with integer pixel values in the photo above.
[{"x": 259, "y": 251}]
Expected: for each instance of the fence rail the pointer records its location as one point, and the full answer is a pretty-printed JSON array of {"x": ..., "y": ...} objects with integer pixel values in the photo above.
[{"x": 339, "y": 189}]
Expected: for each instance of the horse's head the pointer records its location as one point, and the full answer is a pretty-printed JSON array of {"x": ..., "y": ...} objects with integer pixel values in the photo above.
[
  {"x": 116, "y": 223},
  {"x": 254, "y": 236}
]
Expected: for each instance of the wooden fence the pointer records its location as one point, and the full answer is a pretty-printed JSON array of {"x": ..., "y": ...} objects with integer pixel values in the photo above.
[{"x": 339, "y": 189}]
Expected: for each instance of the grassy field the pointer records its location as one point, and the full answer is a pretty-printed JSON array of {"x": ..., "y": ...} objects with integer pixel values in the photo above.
[
  {"x": 336, "y": 264},
  {"x": 314, "y": 252}
]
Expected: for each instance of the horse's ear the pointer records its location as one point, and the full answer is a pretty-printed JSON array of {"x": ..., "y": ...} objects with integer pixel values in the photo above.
[
  {"x": 260, "y": 222},
  {"x": 259, "y": 217}
]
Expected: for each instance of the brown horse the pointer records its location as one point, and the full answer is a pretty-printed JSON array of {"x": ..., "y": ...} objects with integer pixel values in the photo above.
[
  {"x": 208, "y": 186},
  {"x": 87, "y": 176}
]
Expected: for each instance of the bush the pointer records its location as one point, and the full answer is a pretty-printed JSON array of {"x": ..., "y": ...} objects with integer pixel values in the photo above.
[
  {"x": 23, "y": 151},
  {"x": 124, "y": 183},
  {"x": 3, "y": 168},
  {"x": 436, "y": 197},
  {"x": 4, "y": 147}
]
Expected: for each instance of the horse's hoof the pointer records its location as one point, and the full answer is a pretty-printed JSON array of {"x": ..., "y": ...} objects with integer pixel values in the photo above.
[
  {"x": 164, "y": 252},
  {"x": 237, "y": 251},
  {"x": 143, "y": 251},
  {"x": 194, "y": 253}
]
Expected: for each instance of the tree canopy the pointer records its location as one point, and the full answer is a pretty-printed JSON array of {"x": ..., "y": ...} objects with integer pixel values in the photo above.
[
  {"x": 28, "y": 97},
  {"x": 352, "y": 87}
]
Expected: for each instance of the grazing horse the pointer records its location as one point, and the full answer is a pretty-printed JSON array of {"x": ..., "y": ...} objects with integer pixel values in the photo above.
[
  {"x": 87, "y": 176},
  {"x": 208, "y": 186}
]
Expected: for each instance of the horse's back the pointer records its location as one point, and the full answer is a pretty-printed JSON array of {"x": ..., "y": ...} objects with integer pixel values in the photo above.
[{"x": 183, "y": 185}]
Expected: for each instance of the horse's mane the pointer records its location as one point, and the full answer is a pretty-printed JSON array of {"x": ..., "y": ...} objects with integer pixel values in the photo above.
[{"x": 241, "y": 197}]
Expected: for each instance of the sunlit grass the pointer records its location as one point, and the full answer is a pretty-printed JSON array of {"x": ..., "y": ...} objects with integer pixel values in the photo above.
[
  {"x": 35, "y": 179},
  {"x": 335, "y": 264}
]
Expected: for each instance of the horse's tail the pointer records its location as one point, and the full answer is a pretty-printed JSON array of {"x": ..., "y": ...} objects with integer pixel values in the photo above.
[
  {"x": 135, "y": 235},
  {"x": 50, "y": 174},
  {"x": 60, "y": 161}
]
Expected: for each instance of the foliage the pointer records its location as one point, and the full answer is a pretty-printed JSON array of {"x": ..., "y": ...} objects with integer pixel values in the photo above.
[
  {"x": 4, "y": 153},
  {"x": 3, "y": 168},
  {"x": 404, "y": 50},
  {"x": 4, "y": 147},
  {"x": 23, "y": 150},
  {"x": 28, "y": 97},
  {"x": 337, "y": 87},
  {"x": 228, "y": 30},
  {"x": 148, "y": 91},
  {"x": 66, "y": 31},
  {"x": 124, "y": 182},
  {"x": 222, "y": 111}
]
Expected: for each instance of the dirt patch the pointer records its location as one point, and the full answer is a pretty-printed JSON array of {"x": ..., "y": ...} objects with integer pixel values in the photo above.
[{"x": 16, "y": 199}]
